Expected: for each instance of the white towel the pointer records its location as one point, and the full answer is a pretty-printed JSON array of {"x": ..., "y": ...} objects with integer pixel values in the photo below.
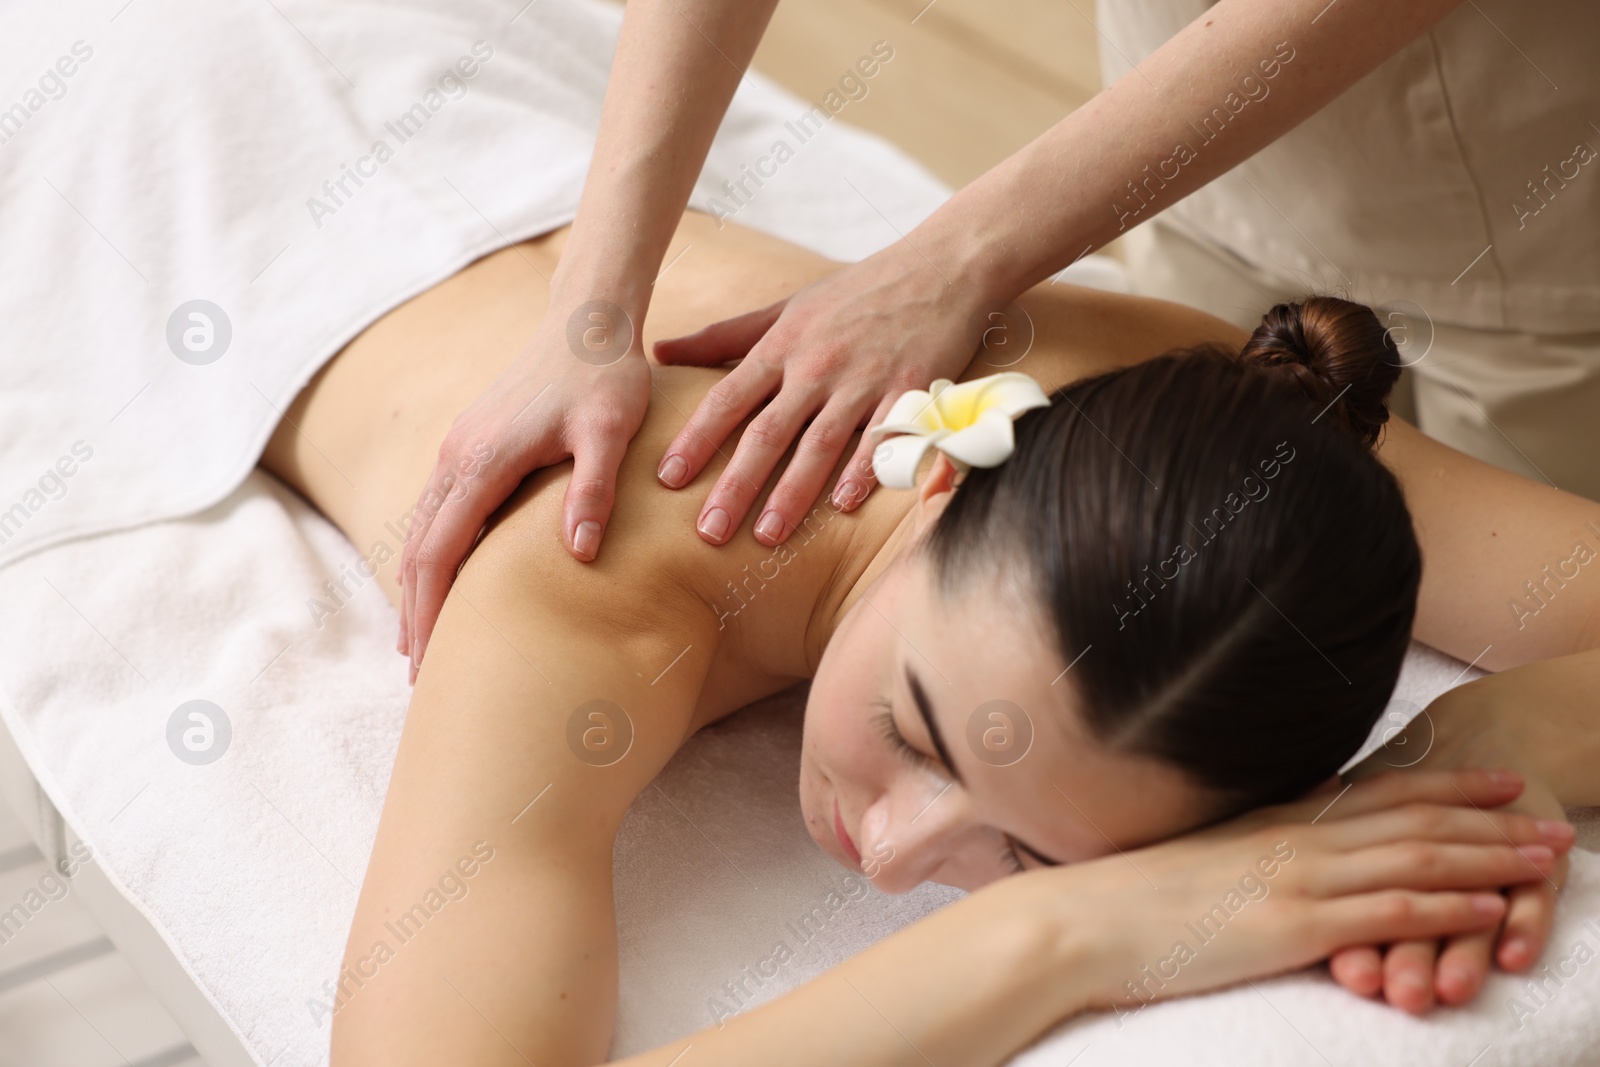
[{"x": 194, "y": 153}]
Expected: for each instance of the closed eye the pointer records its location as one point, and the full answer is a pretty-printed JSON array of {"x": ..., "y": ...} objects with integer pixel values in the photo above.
[{"x": 886, "y": 728}]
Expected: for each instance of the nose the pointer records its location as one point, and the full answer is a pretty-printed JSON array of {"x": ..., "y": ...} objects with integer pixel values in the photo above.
[{"x": 912, "y": 830}]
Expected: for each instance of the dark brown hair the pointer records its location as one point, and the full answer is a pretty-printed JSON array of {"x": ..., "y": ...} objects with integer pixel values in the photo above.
[{"x": 1212, "y": 532}]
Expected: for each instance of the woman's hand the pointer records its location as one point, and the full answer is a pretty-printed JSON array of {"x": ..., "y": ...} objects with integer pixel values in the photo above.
[
  {"x": 836, "y": 353},
  {"x": 580, "y": 389},
  {"x": 1401, "y": 857},
  {"x": 1455, "y": 731}
]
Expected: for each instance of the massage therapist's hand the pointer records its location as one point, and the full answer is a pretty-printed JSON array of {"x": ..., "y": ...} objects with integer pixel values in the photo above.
[
  {"x": 836, "y": 353},
  {"x": 579, "y": 389},
  {"x": 1458, "y": 730},
  {"x": 1401, "y": 857}
]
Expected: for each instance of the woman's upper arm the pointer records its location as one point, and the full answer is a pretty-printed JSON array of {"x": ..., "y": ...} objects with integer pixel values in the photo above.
[{"x": 1511, "y": 567}]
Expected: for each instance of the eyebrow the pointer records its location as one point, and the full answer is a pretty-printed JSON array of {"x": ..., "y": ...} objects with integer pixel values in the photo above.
[{"x": 919, "y": 697}]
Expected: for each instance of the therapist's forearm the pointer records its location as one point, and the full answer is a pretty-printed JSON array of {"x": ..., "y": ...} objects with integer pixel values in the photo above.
[
  {"x": 677, "y": 65},
  {"x": 1116, "y": 161},
  {"x": 1541, "y": 718}
]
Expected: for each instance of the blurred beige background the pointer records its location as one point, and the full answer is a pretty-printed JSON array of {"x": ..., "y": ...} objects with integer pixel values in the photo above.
[{"x": 971, "y": 80}]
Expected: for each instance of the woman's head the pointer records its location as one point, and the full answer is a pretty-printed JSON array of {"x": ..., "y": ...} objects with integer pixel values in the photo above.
[{"x": 1188, "y": 592}]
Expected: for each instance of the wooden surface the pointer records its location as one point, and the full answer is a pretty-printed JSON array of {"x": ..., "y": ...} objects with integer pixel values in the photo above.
[{"x": 971, "y": 81}]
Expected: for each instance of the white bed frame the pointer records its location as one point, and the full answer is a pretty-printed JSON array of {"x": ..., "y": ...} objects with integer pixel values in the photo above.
[{"x": 127, "y": 927}]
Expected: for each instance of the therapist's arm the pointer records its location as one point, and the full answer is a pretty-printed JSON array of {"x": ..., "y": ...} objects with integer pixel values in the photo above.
[
  {"x": 844, "y": 347},
  {"x": 581, "y": 386}
]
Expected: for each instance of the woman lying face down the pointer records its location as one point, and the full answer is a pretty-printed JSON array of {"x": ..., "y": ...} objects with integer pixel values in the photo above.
[
  {"x": 1094, "y": 646},
  {"x": 1186, "y": 593}
]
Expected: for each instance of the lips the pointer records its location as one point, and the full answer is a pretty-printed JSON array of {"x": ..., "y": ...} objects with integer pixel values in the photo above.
[{"x": 844, "y": 838}]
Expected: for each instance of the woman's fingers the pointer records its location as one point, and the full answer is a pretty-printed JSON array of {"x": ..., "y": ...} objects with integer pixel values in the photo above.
[
  {"x": 1426, "y": 865},
  {"x": 725, "y": 405},
  {"x": 1440, "y": 823},
  {"x": 1462, "y": 967},
  {"x": 1404, "y": 915},
  {"x": 1408, "y": 975},
  {"x": 1359, "y": 969},
  {"x": 1470, "y": 786},
  {"x": 1529, "y": 915},
  {"x": 722, "y": 341},
  {"x": 761, "y": 445},
  {"x": 808, "y": 469}
]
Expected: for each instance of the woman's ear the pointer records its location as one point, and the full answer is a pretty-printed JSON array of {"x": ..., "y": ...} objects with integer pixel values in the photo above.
[{"x": 940, "y": 479}]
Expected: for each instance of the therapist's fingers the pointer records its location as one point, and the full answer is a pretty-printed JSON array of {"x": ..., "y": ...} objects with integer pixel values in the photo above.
[
  {"x": 724, "y": 407},
  {"x": 761, "y": 445},
  {"x": 1528, "y": 919},
  {"x": 1408, "y": 975},
  {"x": 1462, "y": 967},
  {"x": 814, "y": 458},
  {"x": 857, "y": 480},
  {"x": 1359, "y": 969},
  {"x": 593, "y": 486},
  {"x": 451, "y": 514},
  {"x": 721, "y": 342}
]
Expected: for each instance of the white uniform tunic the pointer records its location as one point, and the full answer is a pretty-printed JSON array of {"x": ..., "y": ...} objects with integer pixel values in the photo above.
[{"x": 1463, "y": 174}]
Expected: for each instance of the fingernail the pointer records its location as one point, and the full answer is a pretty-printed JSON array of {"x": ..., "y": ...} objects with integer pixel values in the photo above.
[
  {"x": 1516, "y": 950},
  {"x": 1488, "y": 903},
  {"x": 1505, "y": 778},
  {"x": 848, "y": 492},
  {"x": 770, "y": 527},
  {"x": 586, "y": 539},
  {"x": 672, "y": 471},
  {"x": 1538, "y": 855},
  {"x": 1555, "y": 829},
  {"x": 714, "y": 525},
  {"x": 1457, "y": 975}
]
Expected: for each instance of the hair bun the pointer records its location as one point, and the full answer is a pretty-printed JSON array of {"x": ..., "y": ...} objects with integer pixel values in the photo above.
[{"x": 1337, "y": 353}]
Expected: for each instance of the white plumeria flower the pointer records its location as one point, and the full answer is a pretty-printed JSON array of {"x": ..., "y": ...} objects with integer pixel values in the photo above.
[{"x": 970, "y": 423}]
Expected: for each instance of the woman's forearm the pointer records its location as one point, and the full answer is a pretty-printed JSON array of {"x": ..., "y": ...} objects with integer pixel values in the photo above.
[
  {"x": 677, "y": 65},
  {"x": 1223, "y": 88},
  {"x": 965, "y": 987}
]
